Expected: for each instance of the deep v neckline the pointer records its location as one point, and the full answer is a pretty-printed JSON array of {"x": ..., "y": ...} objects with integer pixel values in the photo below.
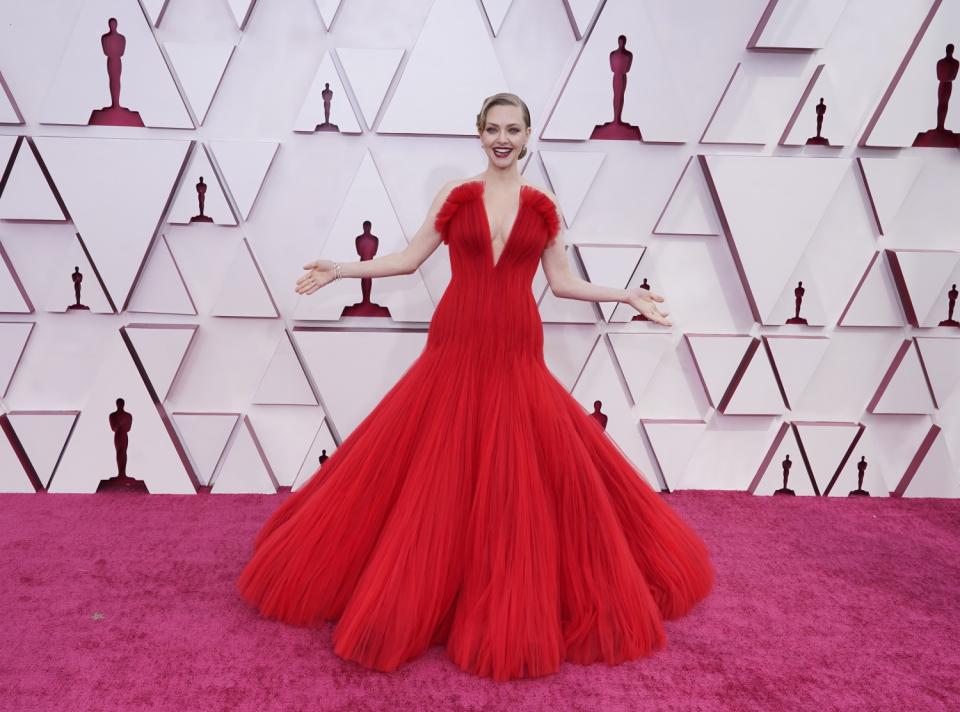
[{"x": 486, "y": 219}]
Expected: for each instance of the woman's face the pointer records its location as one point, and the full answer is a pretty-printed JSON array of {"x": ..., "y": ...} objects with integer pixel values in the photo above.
[{"x": 504, "y": 134}]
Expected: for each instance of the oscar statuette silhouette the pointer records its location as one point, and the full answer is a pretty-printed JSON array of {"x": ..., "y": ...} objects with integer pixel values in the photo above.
[
  {"x": 861, "y": 470},
  {"x": 598, "y": 416},
  {"x": 366, "y": 244},
  {"x": 114, "y": 44},
  {"x": 819, "y": 140},
  {"x": 77, "y": 278},
  {"x": 942, "y": 137},
  {"x": 798, "y": 293},
  {"x": 121, "y": 422},
  {"x": 621, "y": 60},
  {"x": 786, "y": 464},
  {"x": 951, "y": 306},
  {"x": 327, "y": 95},
  {"x": 201, "y": 197}
]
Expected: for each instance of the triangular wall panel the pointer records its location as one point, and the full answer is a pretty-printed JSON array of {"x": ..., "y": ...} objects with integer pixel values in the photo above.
[
  {"x": 200, "y": 67},
  {"x": 451, "y": 65},
  {"x": 244, "y": 165},
  {"x": 81, "y": 85},
  {"x": 116, "y": 191},
  {"x": 26, "y": 193}
]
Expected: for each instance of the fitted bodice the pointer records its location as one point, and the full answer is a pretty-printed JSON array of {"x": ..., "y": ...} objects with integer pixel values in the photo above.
[{"x": 489, "y": 305}]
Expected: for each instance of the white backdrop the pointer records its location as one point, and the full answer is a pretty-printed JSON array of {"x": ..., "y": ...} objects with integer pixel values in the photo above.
[{"x": 237, "y": 383}]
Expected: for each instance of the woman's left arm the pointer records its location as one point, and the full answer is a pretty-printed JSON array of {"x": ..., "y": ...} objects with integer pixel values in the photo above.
[{"x": 566, "y": 285}]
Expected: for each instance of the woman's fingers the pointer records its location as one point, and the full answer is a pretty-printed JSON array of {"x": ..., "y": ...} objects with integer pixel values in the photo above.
[
  {"x": 308, "y": 283},
  {"x": 647, "y": 305},
  {"x": 304, "y": 282},
  {"x": 658, "y": 317},
  {"x": 650, "y": 310}
]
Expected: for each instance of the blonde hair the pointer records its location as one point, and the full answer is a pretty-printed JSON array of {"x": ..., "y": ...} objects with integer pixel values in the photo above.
[{"x": 502, "y": 99}]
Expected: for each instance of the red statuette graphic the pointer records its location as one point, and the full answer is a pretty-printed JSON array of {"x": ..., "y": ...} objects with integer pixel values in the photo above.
[
  {"x": 327, "y": 95},
  {"x": 121, "y": 422},
  {"x": 114, "y": 45},
  {"x": 940, "y": 136},
  {"x": 861, "y": 471},
  {"x": 77, "y": 277},
  {"x": 201, "y": 197},
  {"x": 819, "y": 140},
  {"x": 951, "y": 306},
  {"x": 598, "y": 415},
  {"x": 786, "y": 465},
  {"x": 366, "y": 244},
  {"x": 798, "y": 293},
  {"x": 620, "y": 61}
]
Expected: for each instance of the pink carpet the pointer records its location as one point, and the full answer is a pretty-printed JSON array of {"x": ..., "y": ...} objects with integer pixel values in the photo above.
[{"x": 127, "y": 602}]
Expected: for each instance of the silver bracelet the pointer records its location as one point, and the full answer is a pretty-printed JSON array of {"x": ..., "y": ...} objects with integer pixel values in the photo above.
[{"x": 338, "y": 270}]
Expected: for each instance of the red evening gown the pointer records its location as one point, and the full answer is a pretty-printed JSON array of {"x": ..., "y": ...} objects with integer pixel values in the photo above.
[{"x": 478, "y": 505}]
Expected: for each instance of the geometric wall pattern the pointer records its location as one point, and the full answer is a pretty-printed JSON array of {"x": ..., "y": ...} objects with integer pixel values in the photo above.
[{"x": 785, "y": 173}]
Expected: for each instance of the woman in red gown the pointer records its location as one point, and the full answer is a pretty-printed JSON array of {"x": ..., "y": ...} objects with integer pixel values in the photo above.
[{"x": 478, "y": 505}]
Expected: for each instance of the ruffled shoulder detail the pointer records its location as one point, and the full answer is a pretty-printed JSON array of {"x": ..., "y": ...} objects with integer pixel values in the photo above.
[
  {"x": 463, "y": 193},
  {"x": 542, "y": 203}
]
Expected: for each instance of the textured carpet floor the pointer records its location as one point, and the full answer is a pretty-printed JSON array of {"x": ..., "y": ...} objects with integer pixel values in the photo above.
[{"x": 127, "y": 602}]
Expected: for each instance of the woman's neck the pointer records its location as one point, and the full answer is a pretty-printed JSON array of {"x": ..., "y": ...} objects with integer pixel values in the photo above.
[{"x": 502, "y": 176}]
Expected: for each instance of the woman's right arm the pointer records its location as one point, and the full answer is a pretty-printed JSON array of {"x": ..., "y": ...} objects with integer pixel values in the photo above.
[{"x": 321, "y": 272}]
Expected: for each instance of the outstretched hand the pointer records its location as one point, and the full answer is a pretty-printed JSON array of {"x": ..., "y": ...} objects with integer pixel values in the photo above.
[
  {"x": 319, "y": 273},
  {"x": 645, "y": 302}
]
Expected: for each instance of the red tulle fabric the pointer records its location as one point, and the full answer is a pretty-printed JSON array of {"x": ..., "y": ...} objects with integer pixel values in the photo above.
[{"x": 478, "y": 505}]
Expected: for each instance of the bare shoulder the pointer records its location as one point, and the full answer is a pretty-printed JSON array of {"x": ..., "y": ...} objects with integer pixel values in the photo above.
[
  {"x": 461, "y": 181},
  {"x": 441, "y": 195}
]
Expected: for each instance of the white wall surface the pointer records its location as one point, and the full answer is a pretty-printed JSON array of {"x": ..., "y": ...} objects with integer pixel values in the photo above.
[{"x": 722, "y": 208}]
